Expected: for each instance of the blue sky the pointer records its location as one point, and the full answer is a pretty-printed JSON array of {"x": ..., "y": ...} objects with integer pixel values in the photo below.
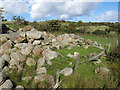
[{"x": 71, "y": 11}]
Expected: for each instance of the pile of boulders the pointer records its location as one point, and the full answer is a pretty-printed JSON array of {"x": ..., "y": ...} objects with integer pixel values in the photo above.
[{"x": 15, "y": 47}]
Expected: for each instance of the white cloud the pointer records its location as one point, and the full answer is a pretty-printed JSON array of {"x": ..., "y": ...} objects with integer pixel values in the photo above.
[
  {"x": 110, "y": 15},
  {"x": 40, "y": 10},
  {"x": 14, "y": 7}
]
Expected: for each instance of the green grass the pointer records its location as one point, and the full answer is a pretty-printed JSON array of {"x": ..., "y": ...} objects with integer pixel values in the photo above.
[{"x": 93, "y": 28}]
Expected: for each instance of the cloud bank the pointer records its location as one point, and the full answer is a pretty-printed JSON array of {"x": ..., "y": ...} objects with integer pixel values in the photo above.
[{"x": 59, "y": 9}]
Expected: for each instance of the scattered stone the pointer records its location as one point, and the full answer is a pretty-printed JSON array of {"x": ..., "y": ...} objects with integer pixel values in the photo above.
[
  {"x": 25, "y": 48},
  {"x": 19, "y": 39},
  {"x": 36, "y": 42},
  {"x": 73, "y": 56},
  {"x": 102, "y": 70},
  {"x": 7, "y": 84},
  {"x": 37, "y": 50},
  {"x": 34, "y": 34},
  {"x": 17, "y": 56},
  {"x": 19, "y": 87},
  {"x": 41, "y": 62},
  {"x": 86, "y": 46},
  {"x": 41, "y": 70},
  {"x": 30, "y": 62},
  {"x": 2, "y": 62},
  {"x": 6, "y": 46},
  {"x": 49, "y": 54},
  {"x": 2, "y": 77},
  {"x": 66, "y": 71},
  {"x": 70, "y": 47},
  {"x": 3, "y": 39},
  {"x": 89, "y": 41},
  {"x": 6, "y": 57}
]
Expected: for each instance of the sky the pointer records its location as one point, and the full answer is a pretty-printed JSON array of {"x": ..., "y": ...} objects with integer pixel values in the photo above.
[{"x": 69, "y": 10}]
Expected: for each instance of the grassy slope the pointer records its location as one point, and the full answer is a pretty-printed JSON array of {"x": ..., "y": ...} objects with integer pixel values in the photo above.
[{"x": 85, "y": 76}]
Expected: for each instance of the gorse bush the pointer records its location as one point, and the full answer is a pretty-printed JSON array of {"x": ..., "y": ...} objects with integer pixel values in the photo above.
[{"x": 99, "y": 32}]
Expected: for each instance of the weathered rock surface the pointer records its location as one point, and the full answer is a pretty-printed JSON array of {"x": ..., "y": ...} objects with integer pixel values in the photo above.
[
  {"x": 17, "y": 56},
  {"x": 7, "y": 84},
  {"x": 2, "y": 62},
  {"x": 40, "y": 62},
  {"x": 2, "y": 77},
  {"x": 6, "y": 46},
  {"x": 41, "y": 70},
  {"x": 37, "y": 50},
  {"x": 102, "y": 70},
  {"x": 66, "y": 71},
  {"x": 49, "y": 54},
  {"x": 30, "y": 62},
  {"x": 34, "y": 34},
  {"x": 19, "y": 87},
  {"x": 6, "y": 57}
]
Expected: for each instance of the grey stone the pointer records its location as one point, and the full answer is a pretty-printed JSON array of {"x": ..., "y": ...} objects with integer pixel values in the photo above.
[
  {"x": 41, "y": 70},
  {"x": 66, "y": 71},
  {"x": 102, "y": 70},
  {"x": 34, "y": 34},
  {"x": 2, "y": 62},
  {"x": 2, "y": 77},
  {"x": 6, "y": 57},
  {"x": 17, "y": 56},
  {"x": 49, "y": 54},
  {"x": 7, "y": 84},
  {"x": 40, "y": 62},
  {"x": 19, "y": 87},
  {"x": 30, "y": 62}
]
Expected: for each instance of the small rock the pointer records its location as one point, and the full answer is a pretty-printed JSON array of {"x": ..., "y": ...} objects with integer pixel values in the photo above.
[
  {"x": 3, "y": 39},
  {"x": 66, "y": 71},
  {"x": 89, "y": 41},
  {"x": 19, "y": 39},
  {"x": 36, "y": 42},
  {"x": 70, "y": 47},
  {"x": 30, "y": 62},
  {"x": 17, "y": 56},
  {"x": 37, "y": 50},
  {"x": 34, "y": 34},
  {"x": 6, "y": 46},
  {"x": 102, "y": 70},
  {"x": 41, "y": 62},
  {"x": 86, "y": 46},
  {"x": 7, "y": 84},
  {"x": 41, "y": 70},
  {"x": 49, "y": 54},
  {"x": 2, "y": 77},
  {"x": 2, "y": 62},
  {"x": 19, "y": 87},
  {"x": 6, "y": 57}
]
